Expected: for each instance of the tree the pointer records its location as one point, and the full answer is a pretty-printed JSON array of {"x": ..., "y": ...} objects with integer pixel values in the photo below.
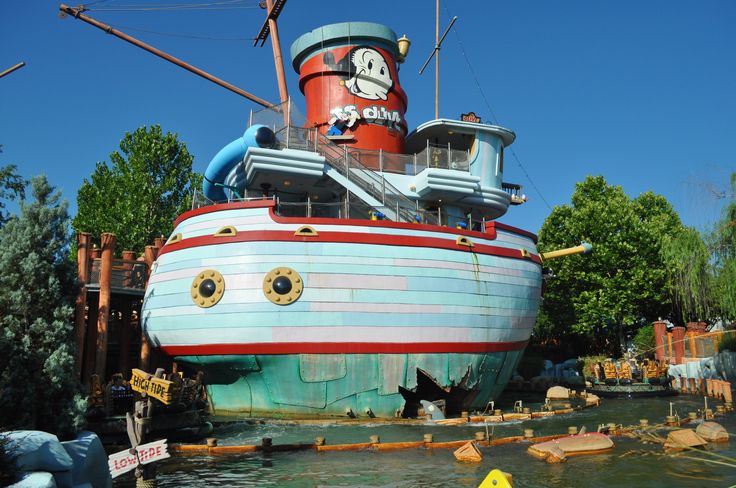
[
  {"x": 690, "y": 277},
  {"x": 138, "y": 196},
  {"x": 595, "y": 298},
  {"x": 725, "y": 257},
  {"x": 12, "y": 186},
  {"x": 37, "y": 369}
]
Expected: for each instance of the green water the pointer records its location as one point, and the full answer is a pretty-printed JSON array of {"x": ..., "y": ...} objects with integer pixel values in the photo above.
[{"x": 631, "y": 464}]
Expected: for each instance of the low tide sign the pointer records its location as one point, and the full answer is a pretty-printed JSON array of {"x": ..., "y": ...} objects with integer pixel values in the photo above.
[
  {"x": 127, "y": 460},
  {"x": 160, "y": 389}
]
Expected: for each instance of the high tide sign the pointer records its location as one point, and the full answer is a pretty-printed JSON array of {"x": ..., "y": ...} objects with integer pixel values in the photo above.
[
  {"x": 124, "y": 461},
  {"x": 157, "y": 388}
]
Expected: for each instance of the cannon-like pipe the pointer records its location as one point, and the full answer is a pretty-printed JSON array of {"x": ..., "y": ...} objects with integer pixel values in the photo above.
[{"x": 583, "y": 248}]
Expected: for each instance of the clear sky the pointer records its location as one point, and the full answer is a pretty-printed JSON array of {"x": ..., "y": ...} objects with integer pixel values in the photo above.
[{"x": 641, "y": 92}]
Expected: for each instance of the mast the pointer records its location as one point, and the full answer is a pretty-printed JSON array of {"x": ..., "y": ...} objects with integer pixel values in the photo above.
[
  {"x": 76, "y": 12},
  {"x": 269, "y": 25},
  {"x": 13, "y": 68},
  {"x": 437, "y": 60},
  {"x": 436, "y": 55}
]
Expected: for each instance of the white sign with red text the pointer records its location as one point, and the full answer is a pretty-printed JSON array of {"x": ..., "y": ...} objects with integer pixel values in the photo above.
[{"x": 124, "y": 461}]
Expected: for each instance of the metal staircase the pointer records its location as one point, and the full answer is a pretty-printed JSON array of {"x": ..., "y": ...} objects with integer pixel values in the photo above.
[{"x": 368, "y": 185}]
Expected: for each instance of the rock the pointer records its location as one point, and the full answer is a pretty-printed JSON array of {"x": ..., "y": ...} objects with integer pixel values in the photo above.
[
  {"x": 558, "y": 393},
  {"x": 35, "y": 479},
  {"x": 37, "y": 451},
  {"x": 712, "y": 432},
  {"x": 90, "y": 460}
]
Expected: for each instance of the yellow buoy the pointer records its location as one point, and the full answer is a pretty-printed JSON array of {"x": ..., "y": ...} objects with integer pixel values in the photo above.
[{"x": 496, "y": 479}]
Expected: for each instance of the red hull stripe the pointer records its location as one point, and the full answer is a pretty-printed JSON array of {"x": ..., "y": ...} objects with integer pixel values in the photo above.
[
  {"x": 348, "y": 238},
  {"x": 342, "y": 348}
]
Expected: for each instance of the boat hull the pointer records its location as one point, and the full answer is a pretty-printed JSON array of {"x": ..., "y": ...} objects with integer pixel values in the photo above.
[
  {"x": 360, "y": 385},
  {"x": 389, "y": 313}
]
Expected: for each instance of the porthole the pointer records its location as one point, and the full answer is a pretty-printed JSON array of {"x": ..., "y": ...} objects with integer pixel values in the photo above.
[
  {"x": 282, "y": 286},
  {"x": 227, "y": 231},
  {"x": 174, "y": 238},
  {"x": 207, "y": 288},
  {"x": 463, "y": 241}
]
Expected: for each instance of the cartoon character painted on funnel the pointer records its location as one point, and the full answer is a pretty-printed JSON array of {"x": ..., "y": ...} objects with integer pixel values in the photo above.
[{"x": 368, "y": 74}]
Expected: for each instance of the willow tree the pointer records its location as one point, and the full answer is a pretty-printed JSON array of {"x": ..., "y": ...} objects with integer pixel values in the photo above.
[
  {"x": 690, "y": 275},
  {"x": 725, "y": 256},
  {"x": 596, "y": 299}
]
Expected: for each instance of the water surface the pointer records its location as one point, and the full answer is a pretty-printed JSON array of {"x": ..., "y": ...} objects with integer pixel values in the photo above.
[{"x": 630, "y": 464}]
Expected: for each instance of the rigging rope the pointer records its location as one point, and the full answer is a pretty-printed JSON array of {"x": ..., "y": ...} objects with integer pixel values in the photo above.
[
  {"x": 187, "y": 36},
  {"x": 222, "y": 5},
  {"x": 493, "y": 115}
]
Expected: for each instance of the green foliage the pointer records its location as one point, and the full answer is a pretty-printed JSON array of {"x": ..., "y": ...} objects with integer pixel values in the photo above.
[
  {"x": 139, "y": 194},
  {"x": 690, "y": 279},
  {"x": 589, "y": 361},
  {"x": 644, "y": 339},
  {"x": 725, "y": 256},
  {"x": 7, "y": 464},
  {"x": 37, "y": 371},
  {"x": 622, "y": 284},
  {"x": 12, "y": 186},
  {"x": 728, "y": 342}
]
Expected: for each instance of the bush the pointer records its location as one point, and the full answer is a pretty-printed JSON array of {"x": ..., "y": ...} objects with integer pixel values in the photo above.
[
  {"x": 728, "y": 342},
  {"x": 644, "y": 339},
  {"x": 588, "y": 362}
]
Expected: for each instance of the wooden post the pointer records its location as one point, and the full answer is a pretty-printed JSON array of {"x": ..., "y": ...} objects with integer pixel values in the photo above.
[
  {"x": 108, "y": 248},
  {"x": 80, "y": 324},
  {"x": 691, "y": 340},
  {"x": 89, "y": 350},
  {"x": 149, "y": 256},
  {"x": 678, "y": 339},
  {"x": 660, "y": 331}
]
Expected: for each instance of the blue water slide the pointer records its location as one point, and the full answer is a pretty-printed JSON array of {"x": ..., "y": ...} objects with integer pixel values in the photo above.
[{"x": 229, "y": 156}]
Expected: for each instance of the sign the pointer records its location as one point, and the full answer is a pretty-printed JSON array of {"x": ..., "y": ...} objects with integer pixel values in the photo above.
[
  {"x": 470, "y": 117},
  {"x": 124, "y": 461},
  {"x": 160, "y": 389}
]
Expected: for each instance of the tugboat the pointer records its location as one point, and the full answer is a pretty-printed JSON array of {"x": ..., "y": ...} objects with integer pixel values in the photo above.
[
  {"x": 340, "y": 266},
  {"x": 620, "y": 382}
]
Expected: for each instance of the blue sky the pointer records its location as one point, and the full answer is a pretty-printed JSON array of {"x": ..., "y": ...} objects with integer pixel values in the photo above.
[{"x": 642, "y": 93}]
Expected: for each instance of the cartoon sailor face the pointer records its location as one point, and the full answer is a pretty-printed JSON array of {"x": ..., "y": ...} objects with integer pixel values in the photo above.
[{"x": 371, "y": 78}]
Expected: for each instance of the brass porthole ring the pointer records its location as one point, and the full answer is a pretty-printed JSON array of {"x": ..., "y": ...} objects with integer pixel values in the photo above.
[
  {"x": 207, "y": 288},
  {"x": 283, "y": 286}
]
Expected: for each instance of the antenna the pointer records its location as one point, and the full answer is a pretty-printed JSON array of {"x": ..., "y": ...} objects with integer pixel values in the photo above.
[{"x": 436, "y": 54}]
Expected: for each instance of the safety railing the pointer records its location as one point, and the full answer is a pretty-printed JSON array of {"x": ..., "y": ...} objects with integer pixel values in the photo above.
[
  {"x": 432, "y": 156},
  {"x": 126, "y": 274}
]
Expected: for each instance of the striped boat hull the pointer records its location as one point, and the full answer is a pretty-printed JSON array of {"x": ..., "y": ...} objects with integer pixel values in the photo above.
[{"x": 381, "y": 301}]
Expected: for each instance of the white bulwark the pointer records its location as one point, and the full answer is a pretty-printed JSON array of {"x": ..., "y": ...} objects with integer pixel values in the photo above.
[{"x": 125, "y": 461}]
